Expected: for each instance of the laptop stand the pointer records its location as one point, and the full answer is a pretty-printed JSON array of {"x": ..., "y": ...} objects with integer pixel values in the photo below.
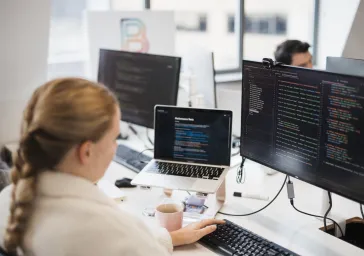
[{"x": 214, "y": 202}]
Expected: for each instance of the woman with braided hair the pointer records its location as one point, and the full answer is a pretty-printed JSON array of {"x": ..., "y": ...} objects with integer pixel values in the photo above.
[{"x": 53, "y": 208}]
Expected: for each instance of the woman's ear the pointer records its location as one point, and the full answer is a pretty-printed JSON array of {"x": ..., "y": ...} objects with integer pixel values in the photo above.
[{"x": 84, "y": 152}]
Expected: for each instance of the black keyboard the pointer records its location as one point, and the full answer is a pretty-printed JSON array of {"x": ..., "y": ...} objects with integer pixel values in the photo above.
[
  {"x": 186, "y": 170},
  {"x": 231, "y": 239},
  {"x": 130, "y": 158}
]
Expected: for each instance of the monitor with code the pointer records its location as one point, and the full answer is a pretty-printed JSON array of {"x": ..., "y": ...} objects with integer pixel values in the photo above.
[
  {"x": 140, "y": 81},
  {"x": 306, "y": 123}
]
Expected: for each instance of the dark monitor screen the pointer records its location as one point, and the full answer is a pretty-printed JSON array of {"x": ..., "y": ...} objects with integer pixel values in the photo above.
[
  {"x": 193, "y": 135},
  {"x": 341, "y": 65},
  {"x": 306, "y": 123},
  {"x": 140, "y": 81}
]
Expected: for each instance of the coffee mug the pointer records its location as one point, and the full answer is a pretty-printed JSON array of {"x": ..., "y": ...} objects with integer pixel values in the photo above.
[{"x": 170, "y": 215}]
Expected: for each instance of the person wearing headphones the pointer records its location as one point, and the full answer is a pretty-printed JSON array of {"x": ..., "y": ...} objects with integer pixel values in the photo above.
[
  {"x": 68, "y": 139},
  {"x": 295, "y": 53}
]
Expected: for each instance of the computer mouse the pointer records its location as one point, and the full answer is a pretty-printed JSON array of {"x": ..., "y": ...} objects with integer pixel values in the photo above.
[{"x": 124, "y": 183}]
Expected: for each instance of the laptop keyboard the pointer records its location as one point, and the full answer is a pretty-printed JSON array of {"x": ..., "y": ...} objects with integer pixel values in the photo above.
[{"x": 185, "y": 170}]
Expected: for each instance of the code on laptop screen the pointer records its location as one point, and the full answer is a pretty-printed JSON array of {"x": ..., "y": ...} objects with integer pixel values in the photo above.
[{"x": 193, "y": 135}]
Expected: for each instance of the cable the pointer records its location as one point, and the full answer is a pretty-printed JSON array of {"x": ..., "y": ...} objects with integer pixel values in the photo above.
[
  {"x": 241, "y": 172},
  {"x": 248, "y": 214},
  {"x": 132, "y": 129},
  {"x": 137, "y": 135},
  {"x": 361, "y": 210},
  {"x": 149, "y": 139},
  {"x": 141, "y": 153},
  {"x": 328, "y": 210},
  {"x": 291, "y": 196},
  {"x": 317, "y": 216}
]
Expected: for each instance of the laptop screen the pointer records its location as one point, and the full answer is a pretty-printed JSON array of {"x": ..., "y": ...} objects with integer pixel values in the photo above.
[{"x": 193, "y": 135}]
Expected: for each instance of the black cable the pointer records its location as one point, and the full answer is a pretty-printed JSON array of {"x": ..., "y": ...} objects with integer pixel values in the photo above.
[
  {"x": 248, "y": 214},
  {"x": 133, "y": 129},
  {"x": 361, "y": 210},
  {"x": 149, "y": 139},
  {"x": 241, "y": 172},
  {"x": 317, "y": 216},
  {"x": 141, "y": 153},
  {"x": 328, "y": 210},
  {"x": 135, "y": 132},
  {"x": 291, "y": 196}
]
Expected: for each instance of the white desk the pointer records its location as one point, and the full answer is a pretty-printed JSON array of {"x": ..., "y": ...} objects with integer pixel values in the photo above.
[{"x": 279, "y": 223}]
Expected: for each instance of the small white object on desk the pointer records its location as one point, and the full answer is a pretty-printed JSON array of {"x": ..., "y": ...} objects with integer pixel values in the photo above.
[
  {"x": 111, "y": 190},
  {"x": 255, "y": 196}
]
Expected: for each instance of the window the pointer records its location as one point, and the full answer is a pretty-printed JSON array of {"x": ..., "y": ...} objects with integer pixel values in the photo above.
[
  {"x": 203, "y": 23},
  {"x": 67, "y": 51},
  {"x": 263, "y": 26},
  {"x": 271, "y": 25},
  {"x": 211, "y": 24},
  {"x": 231, "y": 24},
  {"x": 192, "y": 22},
  {"x": 248, "y": 25},
  {"x": 281, "y": 25},
  {"x": 268, "y": 23}
]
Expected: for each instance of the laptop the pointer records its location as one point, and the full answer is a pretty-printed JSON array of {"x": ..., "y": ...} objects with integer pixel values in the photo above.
[{"x": 192, "y": 149}]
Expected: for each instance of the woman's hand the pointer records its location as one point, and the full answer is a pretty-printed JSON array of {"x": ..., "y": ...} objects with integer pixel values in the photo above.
[{"x": 194, "y": 232}]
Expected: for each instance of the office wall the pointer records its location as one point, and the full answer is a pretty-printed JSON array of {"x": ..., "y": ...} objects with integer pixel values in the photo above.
[
  {"x": 24, "y": 33},
  {"x": 354, "y": 46},
  {"x": 336, "y": 18}
]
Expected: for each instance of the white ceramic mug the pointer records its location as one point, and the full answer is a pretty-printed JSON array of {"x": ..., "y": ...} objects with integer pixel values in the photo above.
[{"x": 170, "y": 215}]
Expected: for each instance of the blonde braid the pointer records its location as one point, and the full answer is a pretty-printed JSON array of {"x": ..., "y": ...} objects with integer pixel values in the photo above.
[{"x": 23, "y": 177}]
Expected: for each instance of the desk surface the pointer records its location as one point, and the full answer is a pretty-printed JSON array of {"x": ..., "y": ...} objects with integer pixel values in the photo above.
[{"x": 279, "y": 223}]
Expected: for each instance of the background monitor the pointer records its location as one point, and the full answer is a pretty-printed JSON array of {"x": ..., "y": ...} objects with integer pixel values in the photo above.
[
  {"x": 200, "y": 64},
  {"x": 140, "y": 81},
  {"x": 345, "y": 66},
  {"x": 306, "y": 123},
  {"x": 231, "y": 99}
]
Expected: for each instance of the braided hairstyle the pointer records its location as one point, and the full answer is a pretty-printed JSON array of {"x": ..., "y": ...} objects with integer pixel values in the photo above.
[{"x": 61, "y": 114}]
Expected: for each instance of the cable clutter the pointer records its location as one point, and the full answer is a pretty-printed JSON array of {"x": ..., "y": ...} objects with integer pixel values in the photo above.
[{"x": 291, "y": 196}]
